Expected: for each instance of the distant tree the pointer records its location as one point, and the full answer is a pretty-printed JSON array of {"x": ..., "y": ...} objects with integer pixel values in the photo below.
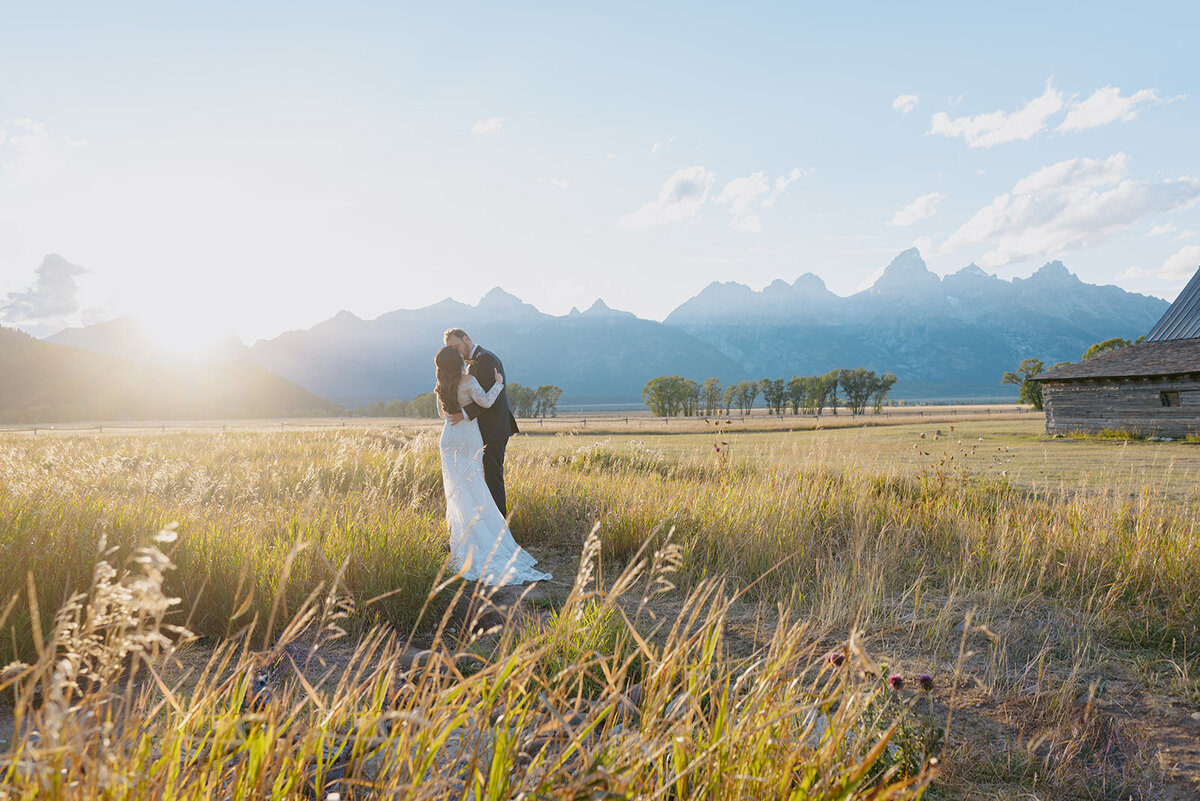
[
  {"x": 521, "y": 399},
  {"x": 546, "y": 400},
  {"x": 425, "y": 405},
  {"x": 815, "y": 393},
  {"x": 658, "y": 395},
  {"x": 1116, "y": 343},
  {"x": 883, "y": 385},
  {"x": 829, "y": 386},
  {"x": 775, "y": 394},
  {"x": 394, "y": 408},
  {"x": 691, "y": 397},
  {"x": 711, "y": 396},
  {"x": 797, "y": 391},
  {"x": 1031, "y": 391},
  {"x": 746, "y": 394},
  {"x": 731, "y": 392},
  {"x": 858, "y": 385},
  {"x": 671, "y": 395}
]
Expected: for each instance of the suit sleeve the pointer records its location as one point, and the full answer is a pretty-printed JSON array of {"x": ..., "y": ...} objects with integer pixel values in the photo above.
[{"x": 485, "y": 374}]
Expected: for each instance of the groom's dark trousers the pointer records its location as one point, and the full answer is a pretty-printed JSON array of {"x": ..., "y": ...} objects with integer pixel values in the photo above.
[{"x": 496, "y": 424}]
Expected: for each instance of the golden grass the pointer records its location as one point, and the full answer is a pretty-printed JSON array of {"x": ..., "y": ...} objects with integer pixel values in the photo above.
[{"x": 1061, "y": 553}]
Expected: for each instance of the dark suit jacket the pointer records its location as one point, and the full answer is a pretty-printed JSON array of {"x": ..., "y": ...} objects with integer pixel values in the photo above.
[{"x": 496, "y": 423}]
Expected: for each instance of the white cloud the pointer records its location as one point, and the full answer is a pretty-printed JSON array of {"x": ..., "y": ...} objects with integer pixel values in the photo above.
[
  {"x": 1159, "y": 230},
  {"x": 557, "y": 183},
  {"x": 998, "y": 127},
  {"x": 680, "y": 199},
  {"x": 489, "y": 127},
  {"x": 1071, "y": 204},
  {"x": 905, "y": 103},
  {"x": 1073, "y": 173},
  {"x": 51, "y": 298},
  {"x": 746, "y": 195},
  {"x": 1106, "y": 105},
  {"x": 919, "y": 209},
  {"x": 1180, "y": 265},
  {"x": 660, "y": 145},
  {"x": 781, "y": 183},
  {"x": 741, "y": 194},
  {"x": 1135, "y": 271}
]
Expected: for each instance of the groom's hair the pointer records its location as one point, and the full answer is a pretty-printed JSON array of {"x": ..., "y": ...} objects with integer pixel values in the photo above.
[{"x": 454, "y": 332}]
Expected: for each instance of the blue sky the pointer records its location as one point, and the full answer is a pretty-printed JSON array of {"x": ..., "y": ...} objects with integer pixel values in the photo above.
[{"x": 255, "y": 167}]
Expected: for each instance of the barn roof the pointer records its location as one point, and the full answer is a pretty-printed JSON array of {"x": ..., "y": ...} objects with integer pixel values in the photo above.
[
  {"x": 1166, "y": 357},
  {"x": 1182, "y": 319}
]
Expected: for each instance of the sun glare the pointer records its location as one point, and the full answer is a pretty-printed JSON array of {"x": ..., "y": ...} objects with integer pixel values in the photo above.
[{"x": 182, "y": 337}]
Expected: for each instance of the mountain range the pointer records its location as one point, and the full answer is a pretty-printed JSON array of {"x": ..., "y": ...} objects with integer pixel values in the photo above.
[
  {"x": 943, "y": 337},
  {"x": 948, "y": 337}
]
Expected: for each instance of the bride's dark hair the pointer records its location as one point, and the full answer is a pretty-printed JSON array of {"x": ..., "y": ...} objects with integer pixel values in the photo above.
[{"x": 449, "y": 363}]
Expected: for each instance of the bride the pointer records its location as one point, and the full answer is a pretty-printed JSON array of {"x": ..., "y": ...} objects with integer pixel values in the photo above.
[{"x": 481, "y": 546}]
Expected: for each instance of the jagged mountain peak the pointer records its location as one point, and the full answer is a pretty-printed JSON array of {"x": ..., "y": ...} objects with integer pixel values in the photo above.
[
  {"x": 1056, "y": 270},
  {"x": 498, "y": 303},
  {"x": 973, "y": 270},
  {"x": 602, "y": 309},
  {"x": 497, "y": 297},
  {"x": 907, "y": 275}
]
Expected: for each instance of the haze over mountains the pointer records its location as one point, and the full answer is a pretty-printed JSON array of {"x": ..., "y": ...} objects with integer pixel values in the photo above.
[
  {"x": 943, "y": 337},
  {"x": 948, "y": 337},
  {"x": 49, "y": 383}
]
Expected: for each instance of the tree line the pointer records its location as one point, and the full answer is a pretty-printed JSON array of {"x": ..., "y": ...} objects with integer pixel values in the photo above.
[
  {"x": 674, "y": 396},
  {"x": 524, "y": 402}
]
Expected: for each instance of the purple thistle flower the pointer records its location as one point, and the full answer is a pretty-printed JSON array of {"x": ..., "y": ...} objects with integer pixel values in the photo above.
[
  {"x": 926, "y": 682},
  {"x": 835, "y": 658},
  {"x": 896, "y": 681}
]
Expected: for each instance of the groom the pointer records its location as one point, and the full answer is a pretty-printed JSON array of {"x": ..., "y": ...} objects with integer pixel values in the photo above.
[{"x": 496, "y": 424}]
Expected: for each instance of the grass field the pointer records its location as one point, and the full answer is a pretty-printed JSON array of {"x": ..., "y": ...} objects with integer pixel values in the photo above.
[{"x": 1048, "y": 588}]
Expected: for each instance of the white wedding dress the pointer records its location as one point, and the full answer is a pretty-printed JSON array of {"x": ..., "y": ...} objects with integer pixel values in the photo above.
[{"x": 480, "y": 543}]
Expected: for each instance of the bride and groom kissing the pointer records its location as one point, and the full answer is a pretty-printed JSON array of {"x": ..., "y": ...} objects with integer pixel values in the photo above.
[{"x": 478, "y": 423}]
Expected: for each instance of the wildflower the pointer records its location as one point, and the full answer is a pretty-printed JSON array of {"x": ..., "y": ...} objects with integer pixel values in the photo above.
[
  {"x": 896, "y": 681},
  {"x": 925, "y": 681},
  {"x": 835, "y": 658}
]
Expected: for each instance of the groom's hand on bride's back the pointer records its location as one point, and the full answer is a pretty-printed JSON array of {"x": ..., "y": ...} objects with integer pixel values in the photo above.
[{"x": 456, "y": 418}]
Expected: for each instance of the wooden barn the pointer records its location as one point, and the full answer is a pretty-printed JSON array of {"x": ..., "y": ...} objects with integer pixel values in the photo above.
[{"x": 1151, "y": 388}]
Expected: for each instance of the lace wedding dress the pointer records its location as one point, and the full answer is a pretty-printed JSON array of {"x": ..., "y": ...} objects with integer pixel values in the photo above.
[{"x": 480, "y": 542}]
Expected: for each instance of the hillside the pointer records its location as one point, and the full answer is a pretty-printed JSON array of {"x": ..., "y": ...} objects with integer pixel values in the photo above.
[{"x": 45, "y": 382}]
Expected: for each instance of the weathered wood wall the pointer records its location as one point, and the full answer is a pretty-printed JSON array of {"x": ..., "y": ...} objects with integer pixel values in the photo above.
[{"x": 1090, "y": 405}]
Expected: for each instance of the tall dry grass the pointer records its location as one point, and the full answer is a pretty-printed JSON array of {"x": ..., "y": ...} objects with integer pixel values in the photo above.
[
  {"x": 1055, "y": 582},
  {"x": 99, "y": 714}
]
